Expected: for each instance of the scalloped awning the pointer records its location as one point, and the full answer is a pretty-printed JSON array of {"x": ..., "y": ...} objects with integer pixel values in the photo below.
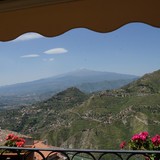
[{"x": 53, "y": 17}]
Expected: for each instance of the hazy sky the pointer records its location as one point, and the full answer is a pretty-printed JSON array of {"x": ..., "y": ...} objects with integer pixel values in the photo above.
[{"x": 132, "y": 49}]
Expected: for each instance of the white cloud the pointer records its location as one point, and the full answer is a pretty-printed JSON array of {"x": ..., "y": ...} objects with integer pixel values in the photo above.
[
  {"x": 56, "y": 51},
  {"x": 50, "y": 59},
  {"x": 30, "y": 56},
  {"x": 28, "y": 36}
]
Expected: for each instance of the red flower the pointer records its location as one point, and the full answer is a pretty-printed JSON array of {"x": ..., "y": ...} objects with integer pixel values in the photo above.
[
  {"x": 156, "y": 140},
  {"x": 135, "y": 137},
  {"x": 15, "y": 138},
  {"x": 143, "y": 136},
  {"x": 14, "y": 141},
  {"x": 20, "y": 143},
  {"x": 123, "y": 144},
  {"x": 10, "y": 136},
  {"x": 142, "y": 141}
]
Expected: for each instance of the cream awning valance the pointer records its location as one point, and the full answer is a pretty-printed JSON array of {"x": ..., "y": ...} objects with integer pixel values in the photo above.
[{"x": 53, "y": 17}]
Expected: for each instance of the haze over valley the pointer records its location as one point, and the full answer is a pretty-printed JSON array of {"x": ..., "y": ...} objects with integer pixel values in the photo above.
[{"x": 87, "y": 81}]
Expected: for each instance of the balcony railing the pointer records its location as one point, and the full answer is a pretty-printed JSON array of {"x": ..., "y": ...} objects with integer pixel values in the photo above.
[{"x": 15, "y": 153}]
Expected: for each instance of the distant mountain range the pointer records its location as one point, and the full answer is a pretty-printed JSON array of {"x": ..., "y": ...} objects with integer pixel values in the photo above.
[
  {"x": 101, "y": 120},
  {"x": 86, "y": 80}
]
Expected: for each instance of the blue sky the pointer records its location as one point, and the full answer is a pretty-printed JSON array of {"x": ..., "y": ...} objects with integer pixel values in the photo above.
[{"x": 132, "y": 49}]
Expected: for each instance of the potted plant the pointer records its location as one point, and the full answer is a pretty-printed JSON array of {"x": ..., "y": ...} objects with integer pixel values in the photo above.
[
  {"x": 143, "y": 141},
  {"x": 13, "y": 140}
]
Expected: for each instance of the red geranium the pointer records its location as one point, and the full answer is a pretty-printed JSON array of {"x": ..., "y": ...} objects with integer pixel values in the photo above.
[
  {"x": 156, "y": 140},
  {"x": 123, "y": 144},
  {"x": 14, "y": 141},
  {"x": 142, "y": 141}
]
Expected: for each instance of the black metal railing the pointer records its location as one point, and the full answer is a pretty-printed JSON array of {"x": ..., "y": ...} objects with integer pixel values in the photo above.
[{"x": 15, "y": 153}]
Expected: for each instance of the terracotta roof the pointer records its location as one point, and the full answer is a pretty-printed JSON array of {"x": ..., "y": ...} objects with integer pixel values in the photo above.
[{"x": 41, "y": 144}]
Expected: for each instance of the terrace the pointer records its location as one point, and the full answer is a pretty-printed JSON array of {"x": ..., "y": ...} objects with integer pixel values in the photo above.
[{"x": 99, "y": 17}]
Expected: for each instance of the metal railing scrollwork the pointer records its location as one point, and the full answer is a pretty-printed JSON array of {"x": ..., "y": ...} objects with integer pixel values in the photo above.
[{"x": 15, "y": 153}]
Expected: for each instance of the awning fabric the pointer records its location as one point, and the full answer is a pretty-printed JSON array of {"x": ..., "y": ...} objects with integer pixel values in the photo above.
[{"x": 53, "y": 17}]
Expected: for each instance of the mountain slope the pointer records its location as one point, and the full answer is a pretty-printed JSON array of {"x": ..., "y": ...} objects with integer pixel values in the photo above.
[
  {"x": 28, "y": 119},
  {"x": 72, "y": 119},
  {"x": 149, "y": 83},
  {"x": 35, "y": 91},
  {"x": 61, "y": 82}
]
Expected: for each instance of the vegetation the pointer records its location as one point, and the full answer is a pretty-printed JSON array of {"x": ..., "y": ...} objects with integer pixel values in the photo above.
[{"x": 73, "y": 119}]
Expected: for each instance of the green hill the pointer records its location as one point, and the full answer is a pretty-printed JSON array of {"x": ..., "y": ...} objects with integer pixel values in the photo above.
[
  {"x": 72, "y": 119},
  {"x": 148, "y": 84}
]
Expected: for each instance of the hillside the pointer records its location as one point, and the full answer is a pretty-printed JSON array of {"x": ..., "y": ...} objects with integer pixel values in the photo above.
[
  {"x": 148, "y": 84},
  {"x": 28, "y": 119},
  {"x": 72, "y": 119},
  {"x": 86, "y": 80}
]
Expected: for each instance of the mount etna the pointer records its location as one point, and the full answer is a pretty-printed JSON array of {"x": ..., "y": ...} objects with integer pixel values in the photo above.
[{"x": 87, "y": 81}]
